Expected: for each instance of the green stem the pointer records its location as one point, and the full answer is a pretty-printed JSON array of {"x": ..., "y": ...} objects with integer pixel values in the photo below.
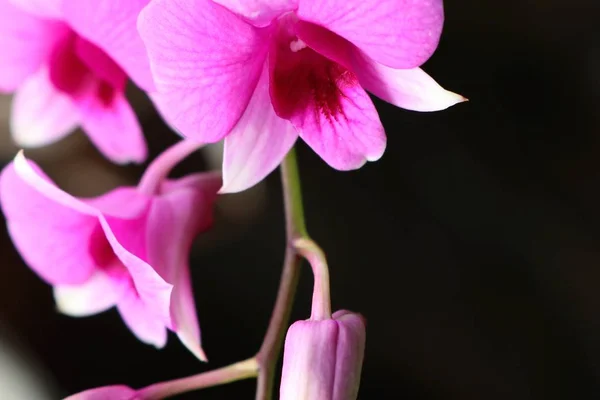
[{"x": 270, "y": 350}]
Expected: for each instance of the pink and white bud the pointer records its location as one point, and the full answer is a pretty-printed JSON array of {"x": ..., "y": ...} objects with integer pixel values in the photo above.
[{"x": 323, "y": 359}]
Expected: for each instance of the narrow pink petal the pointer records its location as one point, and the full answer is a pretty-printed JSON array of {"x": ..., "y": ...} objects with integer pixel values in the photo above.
[
  {"x": 97, "y": 61},
  {"x": 411, "y": 89},
  {"x": 396, "y": 33},
  {"x": 206, "y": 63},
  {"x": 54, "y": 239},
  {"x": 116, "y": 392},
  {"x": 111, "y": 25},
  {"x": 257, "y": 144},
  {"x": 41, "y": 114},
  {"x": 42, "y": 8},
  {"x": 142, "y": 321},
  {"x": 99, "y": 293},
  {"x": 123, "y": 202},
  {"x": 259, "y": 12},
  {"x": 26, "y": 43},
  {"x": 112, "y": 126},
  {"x": 174, "y": 221}
]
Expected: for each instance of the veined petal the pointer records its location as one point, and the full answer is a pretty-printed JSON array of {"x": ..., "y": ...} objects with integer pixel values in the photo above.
[
  {"x": 26, "y": 43},
  {"x": 54, "y": 238},
  {"x": 112, "y": 26},
  {"x": 206, "y": 62},
  {"x": 99, "y": 293},
  {"x": 257, "y": 144},
  {"x": 396, "y": 33},
  {"x": 259, "y": 12},
  {"x": 411, "y": 89},
  {"x": 41, "y": 114},
  {"x": 112, "y": 125},
  {"x": 142, "y": 321},
  {"x": 42, "y": 8}
]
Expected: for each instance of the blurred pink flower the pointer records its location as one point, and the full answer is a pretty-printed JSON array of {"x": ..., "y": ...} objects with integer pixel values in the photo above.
[
  {"x": 128, "y": 248},
  {"x": 323, "y": 359},
  {"x": 67, "y": 62},
  {"x": 117, "y": 392},
  {"x": 261, "y": 72}
]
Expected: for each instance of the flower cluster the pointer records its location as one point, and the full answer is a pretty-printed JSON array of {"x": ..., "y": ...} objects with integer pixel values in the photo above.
[{"x": 256, "y": 74}]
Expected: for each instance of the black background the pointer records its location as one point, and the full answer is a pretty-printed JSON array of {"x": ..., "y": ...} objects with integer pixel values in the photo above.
[{"x": 472, "y": 246}]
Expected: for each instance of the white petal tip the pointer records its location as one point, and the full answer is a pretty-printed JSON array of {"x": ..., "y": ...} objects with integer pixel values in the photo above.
[{"x": 194, "y": 347}]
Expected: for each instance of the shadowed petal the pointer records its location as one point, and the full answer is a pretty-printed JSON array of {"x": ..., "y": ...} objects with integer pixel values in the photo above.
[
  {"x": 26, "y": 43},
  {"x": 257, "y": 144},
  {"x": 396, "y": 33},
  {"x": 112, "y": 26},
  {"x": 40, "y": 114},
  {"x": 259, "y": 12},
  {"x": 206, "y": 62}
]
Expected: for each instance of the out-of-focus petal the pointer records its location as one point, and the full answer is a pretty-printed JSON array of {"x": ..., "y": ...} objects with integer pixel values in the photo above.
[
  {"x": 257, "y": 144},
  {"x": 50, "y": 9},
  {"x": 399, "y": 34},
  {"x": 259, "y": 12},
  {"x": 112, "y": 126},
  {"x": 40, "y": 114},
  {"x": 206, "y": 62},
  {"x": 97, "y": 61},
  {"x": 26, "y": 43},
  {"x": 117, "y": 392},
  {"x": 53, "y": 237},
  {"x": 112, "y": 26},
  {"x": 142, "y": 321}
]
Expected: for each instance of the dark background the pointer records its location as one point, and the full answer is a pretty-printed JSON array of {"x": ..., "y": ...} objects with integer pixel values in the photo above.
[{"x": 472, "y": 247}]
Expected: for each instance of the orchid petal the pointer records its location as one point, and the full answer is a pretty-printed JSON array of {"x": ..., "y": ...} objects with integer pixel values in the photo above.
[
  {"x": 26, "y": 42},
  {"x": 112, "y": 126},
  {"x": 399, "y": 34},
  {"x": 206, "y": 62},
  {"x": 116, "y": 392},
  {"x": 99, "y": 293},
  {"x": 97, "y": 61},
  {"x": 42, "y": 8},
  {"x": 142, "y": 321},
  {"x": 53, "y": 238},
  {"x": 111, "y": 25},
  {"x": 40, "y": 113},
  {"x": 257, "y": 144},
  {"x": 259, "y": 12}
]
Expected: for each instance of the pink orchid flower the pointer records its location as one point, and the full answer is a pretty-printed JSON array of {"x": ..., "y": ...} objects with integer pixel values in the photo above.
[
  {"x": 128, "y": 248},
  {"x": 67, "y": 62},
  {"x": 260, "y": 73}
]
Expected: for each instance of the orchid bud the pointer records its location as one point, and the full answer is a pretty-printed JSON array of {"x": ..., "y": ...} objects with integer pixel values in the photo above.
[
  {"x": 323, "y": 358},
  {"x": 117, "y": 392}
]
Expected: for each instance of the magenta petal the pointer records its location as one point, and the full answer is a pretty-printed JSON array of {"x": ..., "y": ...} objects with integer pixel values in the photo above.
[
  {"x": 97, "y": 61},
  {"x": 113, "y": 127},
  {"x": 259, "y": 12},
  {"x": 206, "y": 63},
  {"x": 42, "y": 8},
  {"x": 411, "y": 89},
  {"x": 41, "y": 114},
  {"x": 142, "y": 320},
  {"x": 26, "y": 43},
  {"x": 112, "y": 26},
  {"x": 53, "y": 238},
  {"x": 116, "y": 392},
  {"x": 257, "y": 144},
  {"x": 399, "y": 34}
]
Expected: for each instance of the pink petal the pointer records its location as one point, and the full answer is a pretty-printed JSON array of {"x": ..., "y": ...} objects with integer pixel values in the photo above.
[
  {"x": 259, "y": 12},
  {"x": 41, "y": 114},
  {"x": 99, "y": 293},
  {"x": 142, "y": 320},
  {"x": 111, "y": 25},
  {"x": 26, "y": 43},
  {"x": 399, "y": 34},
  {"x": 97, "y": 61},
  {"x": 411, "y": 89},
  {"x": 42, "y": 8},
  {"x": 206, "y": 63},
  {"x": 53, "y": 237},
  {"x": 117, "y": 392},
  {"x": 257, "y": 144},
  {"x": 174, "y": 221},
  {"x": 327, "y": 105},
  {"x": 112, "y": 126}
]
